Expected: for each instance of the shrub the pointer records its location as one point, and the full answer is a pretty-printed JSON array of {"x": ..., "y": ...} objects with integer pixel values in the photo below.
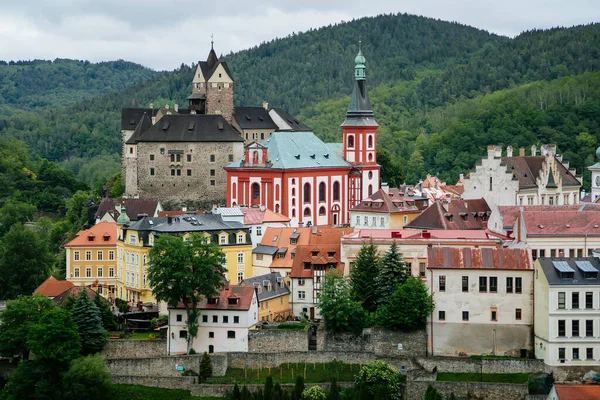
[
  {"x": 205, "y": 367},
  {"x": 314, "y": 393},
  {"x": 87, "y": 378},
  {"x": 379, "y": 380}
]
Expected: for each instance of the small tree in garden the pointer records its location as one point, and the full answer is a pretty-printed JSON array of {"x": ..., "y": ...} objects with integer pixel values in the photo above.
[
  {"x": 408, "y": 308},
  {"x": 268, "y": 393},
  {"x": 206, "y": 370},
  {"x": 298, "y": 388},
  {"x": 379, "y": 381},
  {"x": 236, "y": 395},
  {"x": 363, "y": 276},
  {"x": 393, "y": 272},
  {"x": 87, "y": 378},
  {"x": 314, "y": 393},
  {"x": 432, "y": 394},
  {"x": 89, "y": 324},
  {"x": 340, "y": 312}
]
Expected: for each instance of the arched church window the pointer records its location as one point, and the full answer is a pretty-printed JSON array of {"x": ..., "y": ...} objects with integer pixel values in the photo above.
[
  {"x": 322, "y": 211},
  {"x": 370, "y": 141},
  {"x": 255, "y": 191},
  {"x": 350, "y": 140},
  {"x": 336, "y": 191},
  {"x": 307, "y": 192},
  {"x": 307, "y": 212},
  {"x": 322, "y": 191}
]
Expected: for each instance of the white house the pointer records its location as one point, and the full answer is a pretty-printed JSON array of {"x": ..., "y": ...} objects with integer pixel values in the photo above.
[
  {"x": 224, "y": 323},
  {"x": 523, "y": 180},
  {"x": 567, "y": 311},
  {"x": 483, "y": 301},
  {"x": 595, "y": 169}
]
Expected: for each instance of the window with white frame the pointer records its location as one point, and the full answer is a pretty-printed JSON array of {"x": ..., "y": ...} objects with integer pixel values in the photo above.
[
  {"x": 223, "y": 239},
  {"x": 240, "y": 238},
  {"x": 301, "y": 281},
  {"x": 358, "y": 220},
  {"x": 240, "y": 258},
  {"x": 100, "y": 255},
  {"x": 76, "y": 272},
  {"x": 111, "y": 272},
  {"x": 151, "y": 240},
  {"x": 100, "y": 272},
  {"x": 240, "y": 277},
  {"x": 301, "y": 295},
  {"x": 88, "y": 272},
  {"x": 132, "y": 239},
  {"x": 145, "y": 259},
  {"x": 88, "y": 255},
  {"x": 382, "y": 221},
  {"x": 76, "y": 255},
  {"x": 145, "y": 279},
  {"x": 111, "y": 255},
  {"x": 259, "y": 231}
]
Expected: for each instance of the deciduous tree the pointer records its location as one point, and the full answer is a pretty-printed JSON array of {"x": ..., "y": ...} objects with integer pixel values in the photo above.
[
  {"x": 408, "y": 307},
  {"x": 337, "y": 307},
  {"x": 184, "y": 272},
  {"x": 379, "y": 381}
]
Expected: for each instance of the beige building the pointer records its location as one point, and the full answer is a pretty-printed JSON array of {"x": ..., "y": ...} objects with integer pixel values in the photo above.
[{"x": 483, "y": 301}]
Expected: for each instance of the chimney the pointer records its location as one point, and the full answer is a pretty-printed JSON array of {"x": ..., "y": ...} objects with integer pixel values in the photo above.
[
  {"x": 491, "y": 150},
  {"x": 152, "y": 106},
  {"x": 166, "y": 106},
  {"x": 176, "y": 108},
  {"x": 509, "y": 151},
  {"x": 153, "y": 120},
  {"x": 582, "y": 194},
  {"x": 521, "y": 151},
  {"x": 385, "y": 187},
  {"x": 534, "y": 150},
  {"x": 498, "y": 152},
  {"x": 266, "y": 105}
]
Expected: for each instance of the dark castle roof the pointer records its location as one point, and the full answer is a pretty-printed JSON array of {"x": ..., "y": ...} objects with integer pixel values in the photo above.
[
  {"x": 131, "y": 116},
  {"x": 253, "y": 118},
  {"x": 189, "y": 128},
  {"x": 294, "y": 124}
]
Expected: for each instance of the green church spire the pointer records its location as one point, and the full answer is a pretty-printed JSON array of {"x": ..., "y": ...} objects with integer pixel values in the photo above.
[{"x": 359, "y": 68}]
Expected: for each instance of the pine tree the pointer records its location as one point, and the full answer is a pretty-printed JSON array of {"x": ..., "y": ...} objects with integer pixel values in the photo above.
[
  {"x": 363, "y": 276},
  {"x": 432, "y": 394},
  {"x": 299, "y": 387},
  {"x": 393, "y": 272},
  {"x": 334, "y": 390},
  {"x": 236, "y": 395},
  {"x": 246, "y": 395},
  {"x": 268, "y": 393},
  {"x": 89, "y": 324},
  {"x": 205, "y": 367},
  {"x": 277, "y": 389},
  {"x": 108, "y": 317}
]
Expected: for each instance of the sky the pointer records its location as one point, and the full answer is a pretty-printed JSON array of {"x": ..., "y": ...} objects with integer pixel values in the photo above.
[{"x": 164, "y": 34}]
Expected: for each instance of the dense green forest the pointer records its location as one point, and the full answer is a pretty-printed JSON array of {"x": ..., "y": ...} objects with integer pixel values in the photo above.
[
  {"x": 49, "y": 84},
  {"x": 421, "y": 73}
]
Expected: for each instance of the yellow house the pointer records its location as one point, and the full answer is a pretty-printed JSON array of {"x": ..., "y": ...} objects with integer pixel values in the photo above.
[
  {"x": 273, "y": 294},
  {"x": 136, "y": 239},
  {"x": 92, "y": 259}
]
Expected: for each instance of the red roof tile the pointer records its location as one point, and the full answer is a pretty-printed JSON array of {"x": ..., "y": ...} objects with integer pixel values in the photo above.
[
  {"x": 74, "y": 291},
  {"x": 454, "y": 214},
  {"x": 256, "y": 216},
  {"x": 509, "y": 213},
  {"x": 94, "y": 237},
  {"x": 393, "y": 201},
  {"x": 52, "y": 287},
  {"x": 323, "y": 242},
  {"x": 420, "y": 234},
  {"x": 470, "y": 258},
  {"x": 578, "y": 392},
  {"x": 562, "y": 223}
]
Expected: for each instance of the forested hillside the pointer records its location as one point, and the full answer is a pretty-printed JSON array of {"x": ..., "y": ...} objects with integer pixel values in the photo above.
[
  {"x": 45, "y": 84},
  {"x": 418, "y": 70}
]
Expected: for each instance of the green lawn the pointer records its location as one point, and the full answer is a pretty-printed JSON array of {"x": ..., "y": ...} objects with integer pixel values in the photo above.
[
  {"x": 135, "y": 392},
  {"x": 287, "y": 373},
  {"x": 475, "y": 377},
  {"x": 135, "y": 335}
]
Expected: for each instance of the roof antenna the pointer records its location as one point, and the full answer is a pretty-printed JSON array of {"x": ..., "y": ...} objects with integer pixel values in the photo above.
[{"x": 212, "y": 41}]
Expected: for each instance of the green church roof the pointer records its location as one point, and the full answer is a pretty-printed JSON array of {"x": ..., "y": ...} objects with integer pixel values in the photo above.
[{"x": 360, "y": 112}]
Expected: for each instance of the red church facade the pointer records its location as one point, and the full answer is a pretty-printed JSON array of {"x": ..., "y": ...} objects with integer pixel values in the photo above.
[{"x": 312, "y": 182}]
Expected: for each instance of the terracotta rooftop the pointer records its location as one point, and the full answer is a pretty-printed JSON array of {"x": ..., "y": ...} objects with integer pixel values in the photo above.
[
  {"x": 74, "y": 291},
  {"x": 280, "y": 238},
  {"x": 231, "y": 298},
  {"x": 486, "y": 258},
  {"x": 100, "y": 235},
  {"x": 133, "y": 207},
  {"x": 454, "y": 214},
  {"x": 322, "y": 250},
  {"x": 394, "y": 201},
  {"x": 256, "y": 216},
  {"x": 509, "y": 213},
  {"x": 52, "y": 287},
  {"x": 420, "y": 234},
  {"x": 578, "y": 392},
  {"x": 561, "y": 223}
]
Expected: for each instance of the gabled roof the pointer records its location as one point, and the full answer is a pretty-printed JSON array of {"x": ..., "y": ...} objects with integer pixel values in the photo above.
[
  {"x": 323, "y": 242},
  {"x": 190, "y": 128},
  {"x": 561, "y": 223},
  {"x": 578, "y": 278},
  {"x": 185, "y": 223},
  {"x": 75, "y": 291},
  {"x": 133, "y": 207},
  {"x": 279, "y": 238},
  {"x": 243, "y": 294},
  {"x": 470, "y": 258},
  {"x": 278, "y": 285},
  {"x": 527, "y": 169},
  {"x": 454, "y": 214},
  {"x": 578, "y": 392},
  {"x": 253, "y": 118},
  {"x": 391, "y": 202},
  {"x": 414, "y": 234},
  {"x": 509, "y": 213},
  {"x": 52, "y": 287},
  {"x": 287, "y": 122},
  {"x": 293, "y": 150},
  {"x": 96, "y": 236},
  {"x": 130, "y": 117},
  {"x": 142, "y": 126},
  {"x": 256, "y": 216}
]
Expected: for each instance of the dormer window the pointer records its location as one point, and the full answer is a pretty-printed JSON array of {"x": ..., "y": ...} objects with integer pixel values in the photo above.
[
  {"x": 306, "y": 265},
  {"x": 106, "y": 238},
  {"x": 275, "y": 238},
  {"x": 91, "y": 238},
  {"x": 330, "y": 254},
  {"x": 315, "y": 253},
  {"x": 213, "y": 300},
  {"x": 232, "y": 300},
  {"x": 293, "y": 241}
]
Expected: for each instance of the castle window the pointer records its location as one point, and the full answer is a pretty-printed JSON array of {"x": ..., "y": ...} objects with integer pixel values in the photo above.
[
  {"x": 212, "y": 172},
  {"x": 212, "y": 182},
  {"x": 131, "y": 150},
  {"x": 162, "y": 151},
  {"x": 178, "y": 172},
  {"x": 189, "y": 172},
  {"x": 178, "y": 157},
  {"x": 152, "y": 171},
  {"x": 350, "y": 141},
  {"x": 322, "y": 191},
  {"x": 212, "y": 158},
  {"x": 307, "y": 192},
  {"x": 336, "y": 191},
  {"x": 189, "y": 158},
  {"x": 231, "y": 157},
  {"x": 255, "y": 191},
  {"x": 172, "y": 172},
  {"x": 262, "y": 135},
  {"x": 151, "y": 157},
  {"x": 172, "y": 157}
]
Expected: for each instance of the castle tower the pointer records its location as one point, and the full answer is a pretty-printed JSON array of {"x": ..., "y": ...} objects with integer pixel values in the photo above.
[
  {"x": 359, "y": 132},
  {"x": 212, "y": 88}
]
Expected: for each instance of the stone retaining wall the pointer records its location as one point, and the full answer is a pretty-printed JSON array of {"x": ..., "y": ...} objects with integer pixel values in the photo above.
[
  {"x": 209, "y": 390},
  {"x": 122, "y": 348},
  {"x": 486, "y": 366},
  {"x": 476, "y": 390},
  {"x": 277, "y": 340},
  {"x": 155, "y": 366},
  {"x": 170, "y": 382}
]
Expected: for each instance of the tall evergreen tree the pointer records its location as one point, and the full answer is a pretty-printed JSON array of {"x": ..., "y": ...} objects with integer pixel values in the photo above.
[
  {"x": 363, "y": 276},
  {"x": 109, "y": 320},
  {"x": 299, "y": 387},
  {"x": 334, "y": 390},
  {"x": 246, "y": 395},
  {"x": 268, "y": 393},
  {"x": 206, "y": 370},
  {"x": 237, "y": 394},
  {"x": 89, "y": 324},
  {"x": 393, "y": 272}
]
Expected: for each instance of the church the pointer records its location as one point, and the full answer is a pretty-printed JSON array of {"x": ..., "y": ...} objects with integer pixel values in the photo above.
[{"x": 309, "y": 181}]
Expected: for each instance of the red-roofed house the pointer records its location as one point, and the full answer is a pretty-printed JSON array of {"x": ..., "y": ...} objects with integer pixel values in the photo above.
[
  {"x": 52, "y": 287},
  {"x": 558, "y": 233},
  {"x": 92, "y": 259},
  {"x": 257, "y": 219},
  {"x": 388, "y": 208},
  {"x": 224, "y": 322},
  {"x": 524, "y": 180},
  {"x": 453, "y": 214},
  {"x": 483, "y": 301},
  {"x": 574, "y": 392}
]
